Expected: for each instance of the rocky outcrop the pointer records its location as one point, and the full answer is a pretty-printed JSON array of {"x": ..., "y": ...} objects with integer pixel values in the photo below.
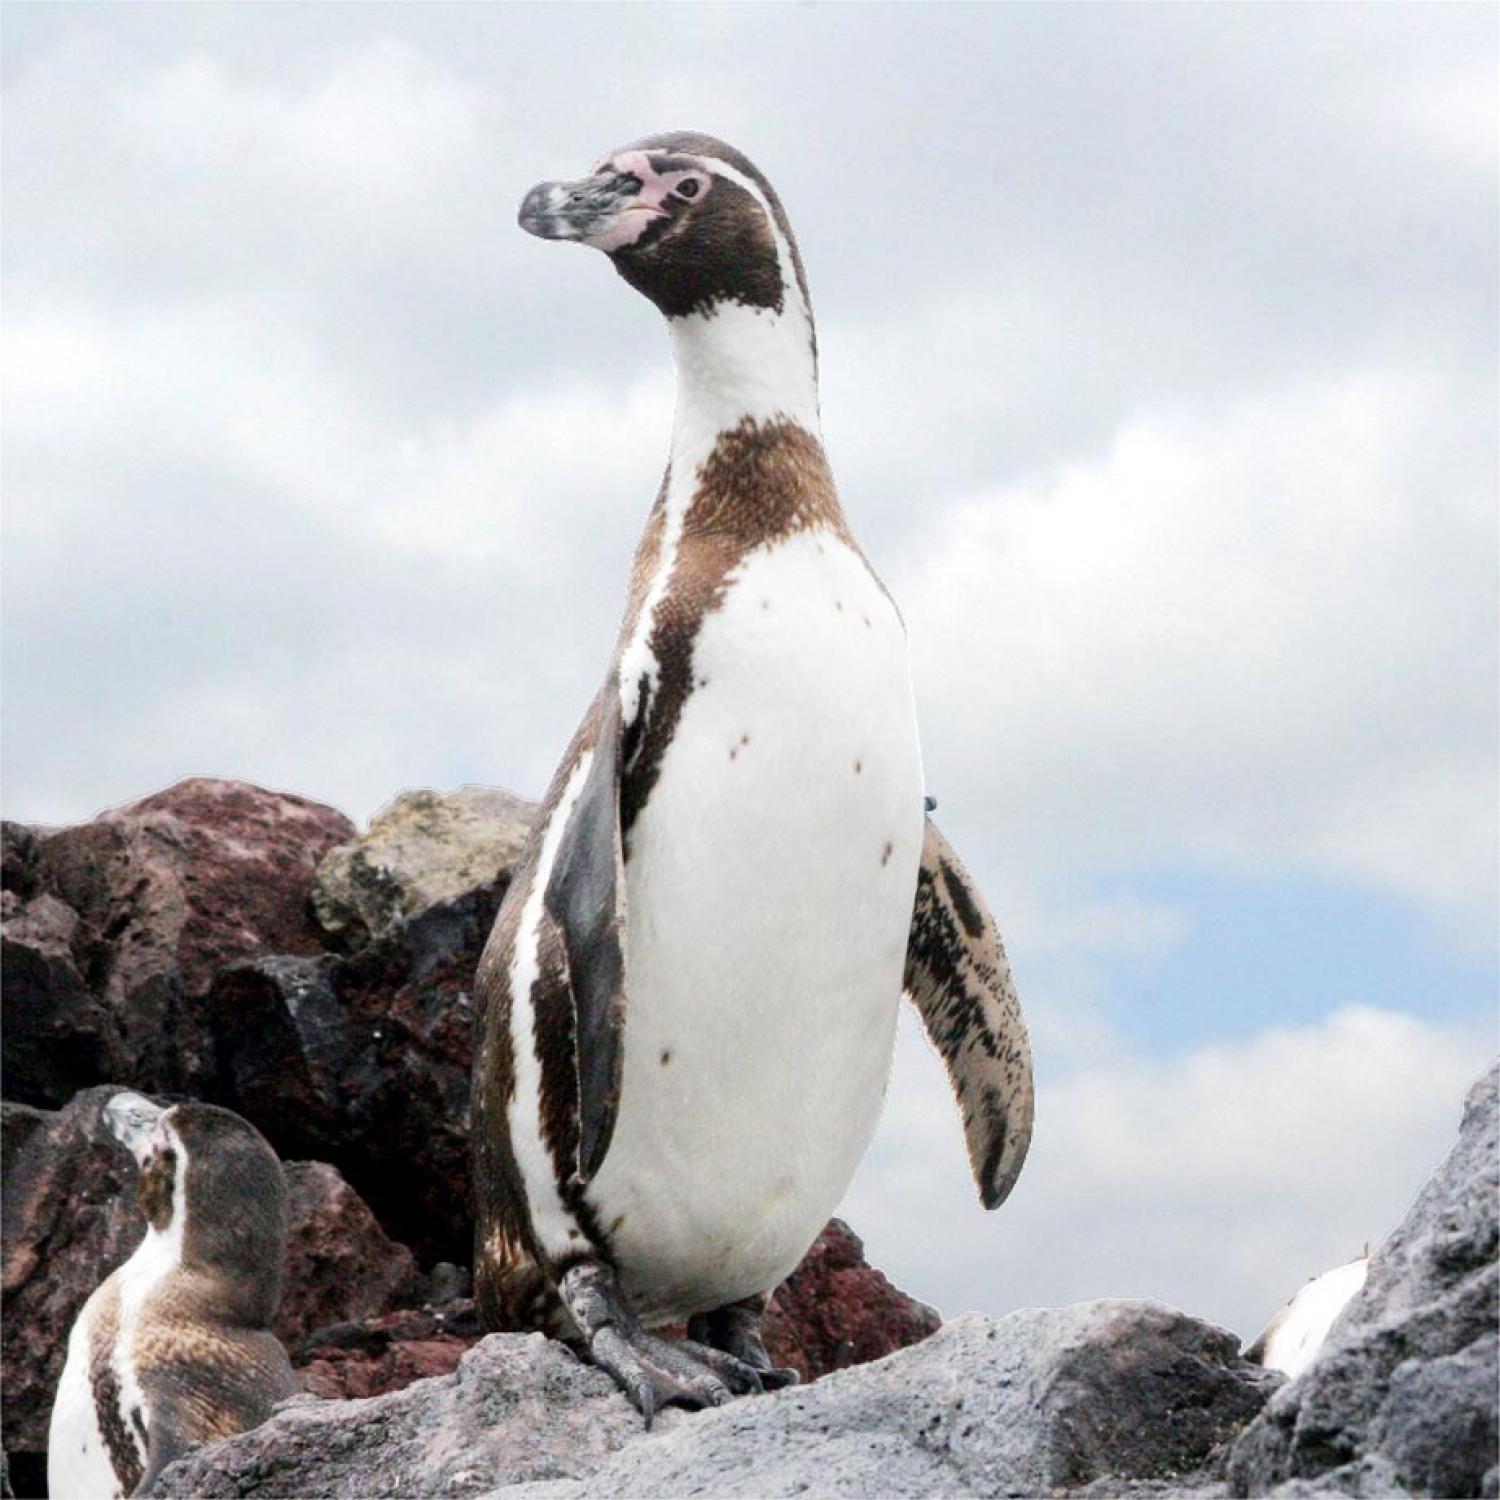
[
  {"x": 424, "y": 848},
  {"x": 119, "y": 926},
  {"x": 363, "y": 1061},
  {"x": 1402, "y": 1398},
  {"x": 340, "y": 1264},
  {"x": 1038, "y": 1402},
  {"x": 837, "y": 1310}
]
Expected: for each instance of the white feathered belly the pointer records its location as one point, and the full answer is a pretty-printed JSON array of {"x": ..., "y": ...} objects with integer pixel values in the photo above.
[{"x": 770, "y": 886}]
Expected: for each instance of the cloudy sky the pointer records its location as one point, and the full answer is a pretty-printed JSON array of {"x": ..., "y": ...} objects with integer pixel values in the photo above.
[{"x": 1159, "y": 355}]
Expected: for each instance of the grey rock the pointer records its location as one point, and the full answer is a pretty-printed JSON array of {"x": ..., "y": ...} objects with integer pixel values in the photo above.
[
  {"x": 1403, "y": 1397},
  {"x": 422, "y": 848},
  {"x": 1040, "y": 1401},
  {"x": 519, "y": 1407}
]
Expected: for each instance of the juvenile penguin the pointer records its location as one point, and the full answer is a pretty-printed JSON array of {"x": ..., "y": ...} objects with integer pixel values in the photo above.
[
  {"x": 690, "y": 993},
  {"x": 173, "y": 1348}
]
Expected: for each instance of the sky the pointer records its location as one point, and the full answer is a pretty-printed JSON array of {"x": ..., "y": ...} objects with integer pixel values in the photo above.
[{"x": 1159, "y": 377}]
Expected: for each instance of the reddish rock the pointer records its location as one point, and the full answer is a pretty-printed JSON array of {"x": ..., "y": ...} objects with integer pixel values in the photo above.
[
  {"x": 387, "y": 1353},
  {"x": 363, "y": 1061},
  {"x": 340, "y": 1264},
  {"x": 837, "y": 1310},
  {"x": 167, "y": 890}
]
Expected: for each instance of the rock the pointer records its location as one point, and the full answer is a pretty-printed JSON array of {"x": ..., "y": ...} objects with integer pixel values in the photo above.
[
  {"x": 363, "y": 1061},
  {"x": 518, "y": 1406},
  {"x": 67, "y": 1219},
  {"x": 387, "y": 1353},
  {"x": 18, "y": 843},
  {"x": 340, "y": 1264},
  {"x": 1402, "y": 1399},
  {"x": 1040, "y": 1402},
  {"x": 58, "y": 1037},
  {"x": 166, "y": 891},
  {"x": 836, "y": 1310},
  {"x": 423, "y": 848}
]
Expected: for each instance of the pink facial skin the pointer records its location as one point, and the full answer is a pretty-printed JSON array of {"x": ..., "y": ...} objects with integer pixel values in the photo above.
[{"x": 648, "y": 204}]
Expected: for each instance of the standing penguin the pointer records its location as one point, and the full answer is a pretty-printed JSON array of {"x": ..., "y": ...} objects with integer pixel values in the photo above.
[
  {"x": 173, "y": 1349},
  {"x": 690, "y": 993}
]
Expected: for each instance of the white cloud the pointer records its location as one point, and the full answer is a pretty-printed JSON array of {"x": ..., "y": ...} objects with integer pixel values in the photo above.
[
  {"x": 1261, "y": 641},
  {"x": 1218, "y": 1180}
]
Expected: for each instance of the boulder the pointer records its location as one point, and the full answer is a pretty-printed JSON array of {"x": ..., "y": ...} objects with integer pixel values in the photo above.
[
  {"x": 837, "y": 1310},
  {"x": 162, "y": 893},
  {"x": 1402, "y": 1398},
  {"x": 363, "y": 1061},
  {"x": 424, "y": 848},
  {"x": 1036, "y": 1403},
  {"x": 340, "y": 1264},
  {"x": 58, "y": 1037},
  {"x": 518, "y": 1407}
]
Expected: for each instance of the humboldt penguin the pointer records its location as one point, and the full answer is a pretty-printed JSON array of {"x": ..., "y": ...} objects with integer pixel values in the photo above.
[
  {"x": 173, "y": 1349},
  {"x": 689, "y": 997}
]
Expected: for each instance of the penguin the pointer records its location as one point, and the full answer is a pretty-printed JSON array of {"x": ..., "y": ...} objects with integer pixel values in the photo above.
[
  {"x": 687, "y": 1004},
  {"x": 1295, "y": 1336},
  {"x": 173, "y": 1348}
]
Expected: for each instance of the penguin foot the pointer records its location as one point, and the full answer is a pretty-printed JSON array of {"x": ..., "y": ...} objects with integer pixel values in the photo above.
[
  {"x": 734, "y": 1329},
  {"x": 653, "y": 1371}
]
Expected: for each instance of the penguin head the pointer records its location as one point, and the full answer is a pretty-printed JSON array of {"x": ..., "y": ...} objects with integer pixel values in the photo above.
[
  {"x": 211, "y": 1181},
  {"x": 687, "y": 220}
]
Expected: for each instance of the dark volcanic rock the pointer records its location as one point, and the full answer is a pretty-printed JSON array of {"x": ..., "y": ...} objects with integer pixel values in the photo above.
[
  {"x": 340, "y": 1264},
  {"x": 18, "y": 845},
  {"x": 1403, "y": 1397},
  {"x": 387, "y": 1353},
  {"x": 837, "y": 1310},
  {"x": 58, "y": 1037},
  {"x": 363, "y": 1061},
  {"x": 151, "y": 900},
  {"x": 67, "y": 1219},
  {"x": 1034, "y": 1404}
]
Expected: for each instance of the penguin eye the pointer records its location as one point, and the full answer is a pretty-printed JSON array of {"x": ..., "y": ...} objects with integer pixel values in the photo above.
[{"x": 689, "y": 187}]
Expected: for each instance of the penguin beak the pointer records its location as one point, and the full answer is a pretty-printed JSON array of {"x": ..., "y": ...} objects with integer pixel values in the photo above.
[
  {"x": 132, "y": 1120},
  {"x": 604, "y": 211}
]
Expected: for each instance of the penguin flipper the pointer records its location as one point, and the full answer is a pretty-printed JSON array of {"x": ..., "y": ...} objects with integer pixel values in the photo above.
[
  {"x": 958, "y": 978},
  {"x": 585, "y": 897}
]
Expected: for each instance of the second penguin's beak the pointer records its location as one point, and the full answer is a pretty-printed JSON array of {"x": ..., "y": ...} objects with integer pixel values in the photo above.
[{"x": 604, "y": 211}]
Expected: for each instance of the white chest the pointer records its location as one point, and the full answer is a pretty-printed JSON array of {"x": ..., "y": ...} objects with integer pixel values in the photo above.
[
  {"x": 769, "y": 887},
  {"x": 78, "y": 1464}
]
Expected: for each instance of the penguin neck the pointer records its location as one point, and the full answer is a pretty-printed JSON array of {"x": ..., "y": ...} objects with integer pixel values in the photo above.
[{"x": 738, "y": 364}]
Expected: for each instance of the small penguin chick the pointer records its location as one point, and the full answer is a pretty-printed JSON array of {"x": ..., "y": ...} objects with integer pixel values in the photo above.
[{"x": 173, "y": 1348}]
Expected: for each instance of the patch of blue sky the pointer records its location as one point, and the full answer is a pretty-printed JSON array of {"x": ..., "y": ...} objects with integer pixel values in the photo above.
[{"x": 1252, "y": 954}]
